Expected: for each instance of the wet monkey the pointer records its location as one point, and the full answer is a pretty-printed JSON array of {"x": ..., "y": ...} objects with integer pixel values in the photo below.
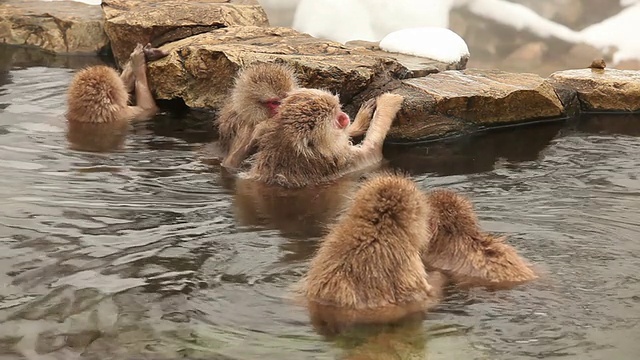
[
  {"x": 368, "y": 269},
  {"x": 463, "y": 251},
  {"x": 256, "y": 96},
  {"x": 99, "y": 95},
  {"x": 308, "y": 141}
]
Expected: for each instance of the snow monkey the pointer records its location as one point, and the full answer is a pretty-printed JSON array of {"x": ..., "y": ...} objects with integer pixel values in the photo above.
[
  {"x": 308, "y": 141},
  {"x": 99, "y": 95},
  {"x": 256, "y": 96},
  {"x": 368, "y": 269},
  {"x": 462, "y": 251}
]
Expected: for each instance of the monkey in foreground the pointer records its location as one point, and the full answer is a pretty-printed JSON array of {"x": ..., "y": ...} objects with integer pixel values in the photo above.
[
  {"x": 256, "y": 95},
  {"x": 467, "y": 255},
  {"x": 99, "y": 95},
  {"x": 368, "y": 269},
  {"x": 308, "y": 141}
]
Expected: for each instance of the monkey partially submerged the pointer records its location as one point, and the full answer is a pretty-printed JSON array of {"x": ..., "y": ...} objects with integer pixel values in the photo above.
[
  {"x": 99, "y": 95},
  {"x": 460, "y": 249},
  {"x": 258, "y": 91},
  {"x": 308, "y": 141},
  {"x": 368, "y": 269}
]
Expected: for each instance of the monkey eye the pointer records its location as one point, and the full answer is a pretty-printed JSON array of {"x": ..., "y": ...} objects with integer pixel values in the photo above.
[{"x": 273, "y": 102}]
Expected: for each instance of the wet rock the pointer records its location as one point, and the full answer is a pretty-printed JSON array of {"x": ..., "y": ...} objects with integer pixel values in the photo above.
[
  {"x": 458, "y": 101},
  {"x": 57, "y": 27},
  {"x": 131, "y": 21},
  {"x": 200, "y": 69},
  {"x": 602, "y": 90}
]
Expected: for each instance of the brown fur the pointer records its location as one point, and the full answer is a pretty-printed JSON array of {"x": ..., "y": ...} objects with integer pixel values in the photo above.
[
  {"x": 96, "y": 95},
  {"x": 241, "y": 117},
  {"x": 303, "y": 146},
  {"x": 99, "y": 95},
  {"x": 368, "y": 268},
  {"x": 246, "y": 107},
  {"x": 470, "y": 256}
]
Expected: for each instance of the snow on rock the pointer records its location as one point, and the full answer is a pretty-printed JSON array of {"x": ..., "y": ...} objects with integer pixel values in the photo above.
[
  {"x": 618, "y": 31},
  {"x": 437, "y": 43}
]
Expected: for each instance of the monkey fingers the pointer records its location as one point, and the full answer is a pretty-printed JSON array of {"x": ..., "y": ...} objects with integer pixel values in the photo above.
[
  {"x": 363, "y": 118},
  {"x": 153, "y": 54}
]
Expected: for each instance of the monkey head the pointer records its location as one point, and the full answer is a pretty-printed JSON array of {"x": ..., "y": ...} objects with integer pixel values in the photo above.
[
  {"x": 313, "y": 118},
  {"x": 260, "y": 88}
]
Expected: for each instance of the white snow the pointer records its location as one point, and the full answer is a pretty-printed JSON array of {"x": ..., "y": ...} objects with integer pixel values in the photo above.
[
  {"x": 521, "y": 17},
  {"x": 337, "y": 20},
  {"x": 620, "y": 31},
  {"x": 628, "y": 2},
  {"x": 435, "y": 43},
  {"x": 371, "y": 20}
]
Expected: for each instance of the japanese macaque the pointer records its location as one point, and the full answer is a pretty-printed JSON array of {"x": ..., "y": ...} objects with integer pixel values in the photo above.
[
  {"x": 256, "y": 96},
  {"x": 462, "y": 251},
  {"x": 368, "y": 269},
  {"x": 257, "y": 93},
  {"x": 99, "y": 95},
  {"x": 308, "y": 141}
]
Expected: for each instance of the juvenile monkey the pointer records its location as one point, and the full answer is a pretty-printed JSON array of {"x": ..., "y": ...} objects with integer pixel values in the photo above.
[
  {"x": 99, "y": 95},
  {"x": 368, "y": 269},
  {"x": 308, "y": 141},
  {"x": 257, "y": 93},
  {"x": 461, "y": 250}
]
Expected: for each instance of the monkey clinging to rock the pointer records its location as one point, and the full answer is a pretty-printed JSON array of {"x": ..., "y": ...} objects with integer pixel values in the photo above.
[
  {"x": 368, "y": 268},
  {"x": 467, "y": 255},
  {"x": 308, "y": 142},
  {"x": 98, "y": 95}
]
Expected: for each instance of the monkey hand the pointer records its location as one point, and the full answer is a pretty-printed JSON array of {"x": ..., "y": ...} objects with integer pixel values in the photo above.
[
  {"x": 387, "y": 106},
  {"x": 152, "y": 54},
  {"x": 363, "y": 118},
  {"x": 368, "y": 108},
  {"x": 391, "y": 102},
  {"x": 137, "y": 57}
]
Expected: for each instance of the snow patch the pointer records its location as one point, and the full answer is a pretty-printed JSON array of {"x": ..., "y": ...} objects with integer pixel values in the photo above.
[
  {"x": 435, "y": 43},
  {"x": 620, "y": 31},
  {"x": 521, "y": 17}
]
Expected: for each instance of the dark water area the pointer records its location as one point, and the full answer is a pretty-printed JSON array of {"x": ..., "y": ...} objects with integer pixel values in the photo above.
[{"x": 150, "y": 251}]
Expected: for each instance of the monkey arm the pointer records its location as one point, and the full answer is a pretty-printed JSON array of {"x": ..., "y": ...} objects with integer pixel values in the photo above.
[
  {"x": 145, "y": 104},
  {"x": 243, "y": 145},
  {"x": 363, "y": 118},
  {"x": 127, "y": 77},
  {"x": 387, "y": 106},
  {"x": 370, "y": 151}
]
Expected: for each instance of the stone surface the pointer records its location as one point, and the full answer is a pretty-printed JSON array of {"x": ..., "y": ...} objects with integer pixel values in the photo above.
[
  {"x": 459, "y": 101},
  {"x": 601, "y": 90},
  {"x": 200, "y": 69},
  {"x": 58, "y": 27},
  {"x": 161, "y": 21}
]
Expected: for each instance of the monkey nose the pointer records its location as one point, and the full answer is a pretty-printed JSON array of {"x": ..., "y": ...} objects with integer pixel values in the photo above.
[{"x": 343, "y": 120}]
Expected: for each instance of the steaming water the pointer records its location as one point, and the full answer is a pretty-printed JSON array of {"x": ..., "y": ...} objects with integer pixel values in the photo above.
[{"x": 150, "y": 252}]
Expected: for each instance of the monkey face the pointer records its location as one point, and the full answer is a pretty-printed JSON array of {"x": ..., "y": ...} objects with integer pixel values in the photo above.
[{"x": 261, "y": 87}]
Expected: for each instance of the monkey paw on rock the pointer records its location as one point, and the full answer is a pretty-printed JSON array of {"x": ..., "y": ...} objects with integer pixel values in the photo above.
[{"x": 390, "y": 102}]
